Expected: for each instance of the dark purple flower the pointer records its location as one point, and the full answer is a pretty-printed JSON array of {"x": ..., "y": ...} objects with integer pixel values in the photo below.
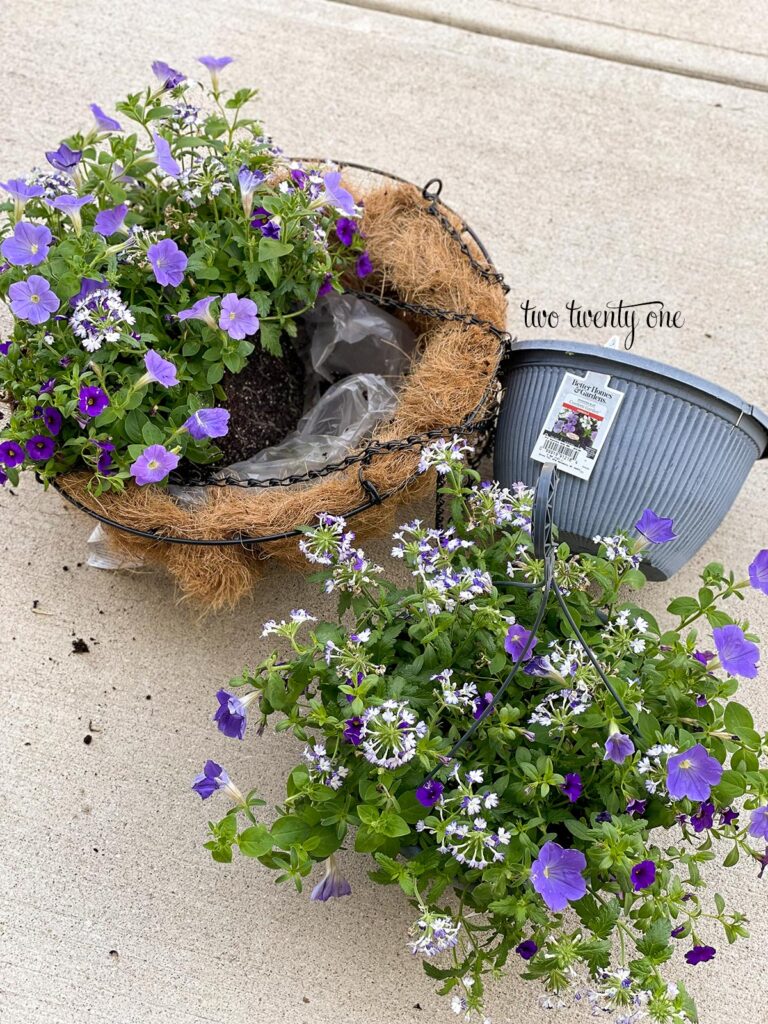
[
  {"x": 429, "y": 792},
  {"x": 21, "y": 191},
  {"x": 299, "y": 176},
  {"x": 338, "y": 196},
  {"x": 353, "y": 731},
  {"x": 159, "y": 371},
  {"x": 212, "y": 778},
  {"x": 539, "y": 666},
  {"x": 572, "y": 787},
  {"x": 728, "y": 816},
  {"x": 164, "y": 158},
  {"x": 677, "y": 932},
  {"x": 153, "y": 465},
  {"x": 758, "y": 823},
  {"x": 109, "y": 221},
  {"x": 199, "y": 311},
  {"x": 704, "y": 818},
  {"x": 28, "y": 246},
  {"x": 88, "y": 285},
  {"x": 700, "y": 955},
  {"x": 104, "y": 461},
  {"x": 40, "y": 448},
  {"x": 692, "y": 774},
  {"x": 33, "y": 299},
  {"x": 11, "y": 454},
  {"x": 104, "y": 122},
  {"x": 636, "y": 808},
  {"x": 52, "y": 419},
  {"x": 737, "y": 655},
  {"x": 92, "y": 401},
  {"x": 557, "y": 877},
  {"x": 758, "y": 571},
  {"x": 169, "y": 77},
  {"x": 3, "y": 478},
  {"x": 168, "y": 262},
  {"x": 527, "y": 949},
  {"x": 230, "y": 715},
  {"x": 208, "y": 423},
  {"x": 480, "y": 704},
  {"x": 701, "y": 701},
  {"x": 260, "y": 217},
  {"x": 656, "y": 529},
  {"x": 618, "y": 748},
  {"x": 346, "y": 229},
  {"x": 64, "y": 158},
  {"x": 238, "y": 317},
  {"x": 48, "y": 386},
  {"x": 332, "y": 885},
  {"x": 326, "y": 285},
  {"x": 604, "y": 816},
  {"x": 5, "y": 347},
  {"x": 363, "y": 267},
  {"x": 270, "y": 229},
  {"x": 519, "y": 643},
  {"x": 643, "y": 875}
]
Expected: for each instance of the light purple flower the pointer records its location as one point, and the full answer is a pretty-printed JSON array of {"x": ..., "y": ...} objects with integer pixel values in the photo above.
[
  {"x": 33, "y": 299},
  {"x": 159, "y": 371},
  {"x": 164, "y": 158},
  {"x": 215, "y": 63},
  {"x": 153, "y": 465},
  {"x": 52, "y": 419},
  {"x": 692, "y": 774},
  {"x": 363, "y": 267},
  {"x": 332, "y": 885},
  {"x": 519, "y": 642},
  {"x": 168, "y": 262},
  {"x": 71, "y": 205},
  {"x": 758, "y": 571},
  {"x": 758, "y": 823},
  {"x": 64, "y": 158},
  {"x": 208, "y": 423},
  {"x": 737, "y": 655},
  {"x": 213, "y": 778},
  {"x": 238, "y": 317},
  {"x": 167, "y": 75},
  {"x": 572, "y": 787},
  {"x": 643, "y": 875},
  {"x": 230, "y": 715},
  {"x": 110, "y": 221},
  {"x": 428, "y": 793},
  {"x": 92, "y": 401},
  {"x": 104, "y": 122},
  {"x": 21, "y": 191},
  {"x": 28, "y": 246},
  {"x": 40, "y": 448},
  {"x": 656, "y": 529},
  {"x": 346, "y": 229},
  {"x": 618, "y": 748},
  {"x": 338, "y": 196},
  {"x": 11, "y": 454},
  {"x": 200, "y": 311},
  {"x": 557, "y": 877}
]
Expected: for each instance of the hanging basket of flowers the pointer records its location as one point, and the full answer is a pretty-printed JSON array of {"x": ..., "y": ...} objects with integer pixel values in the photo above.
[{"x": 160, "y": 272}]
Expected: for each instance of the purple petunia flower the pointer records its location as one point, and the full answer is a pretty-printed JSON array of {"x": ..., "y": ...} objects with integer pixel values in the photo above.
[
  {"x": 656, "y": 529},
  {"x": 40, "y": 448},
  {"x": 363, "y": 267},
  {"x": 346, "y": 229},
  {"x": 338, "y": 196},
  {"x": 164, "y": 158},
  {"x": 677, "y": 932},
  {"x": 167, "y": 75},
  {"x": 758, "y": 571},
  {"x": 758, "y": 823},
  {"x": 557, "y": 877},
  {"x": 737, "y": 655},
  {"x": 643, "y": 875},
  {"x": 208, "y": 423},
  {"x": 5, "y": 347},
  {"x": 728, "y": 816},
  {"x": 618, "y": 748},
  {"x": 48, "y": 386},
  {"x": 270, "y": 228},
  {"x": 71, "y": 205},
  {"x": 52, "y": 419},
  {"x": 168, "y": 262},
  {"x": 153, "y": 465},
  {"x": 21, "y": 191},
  {"x": 11, "y": 454},
  {"x": 480, "y": 704},
  {"x": 28, "y": 246},
  {"x": 704, "y": 818},
  {"x": 326, "y": 286},
  {"x": 92, "y": 401},
  {"x": 110, "y": 221},
  {"x": 212, "y": 778},
  {"x": 159, "y": 371},
  {"x": 636, "y": 807},
  {"x": 332, "y": 885},
  {"x": 692, "y": 774},
  {"x": 249, "y": 180},
  {"x": 230, "y": 715},
  {"x": 353, "y": 731},
  {"x": 104, "y": 461},
  {"x": 104, "y": 122},
  {"x": 429, "y": 793},
  {"x": 200, "y": 311},
  {"x": 64, "y": 158},
  {"x": 700, "y": 955},
  {"x": 527, "y": 949},
  {"x": 604, "y": 816},
  {"x": 88, "y": 285},
  {"x": 33, "y": 299},
  {"x": 572, "y": 787},
  {"x": 519, "y": 643},
  {"x": 238, "y": 317}
]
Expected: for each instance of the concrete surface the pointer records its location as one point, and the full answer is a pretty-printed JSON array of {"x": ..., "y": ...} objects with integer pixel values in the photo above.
[{"x": 590, "y": 179}]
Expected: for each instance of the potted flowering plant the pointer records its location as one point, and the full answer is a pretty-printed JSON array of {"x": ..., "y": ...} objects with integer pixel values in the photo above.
[
  {"x": 565, "y": 818},
  {"x": 155, "y": 272}
]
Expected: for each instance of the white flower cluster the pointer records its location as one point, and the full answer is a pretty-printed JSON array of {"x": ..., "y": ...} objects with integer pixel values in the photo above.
[
  {"x": 389, "y": 734},
  {"x": 490, "y": 504},
  {"x": 651, "y": 765},
  {"x": 452, "y": 694},
  {"x": 322, "y": 768},
  {"x": 464, "y": 830},
  {"x": 626, "y": 635},
  {"x": 618, "y": 549},
  {"x": 289, "y": 629},
  {"x": 99, "y": 317},
  {"x": 559, "y": 709},
  {"x": 449, "y": 587},
  {"x": 435, "y": 933},
  {"x": 444, "y": 456}
]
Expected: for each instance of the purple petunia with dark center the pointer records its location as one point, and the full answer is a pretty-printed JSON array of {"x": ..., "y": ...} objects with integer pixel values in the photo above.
[
  {"x": 428, "y": 793},
  {"x": 40, "y": 448},
  {"x": 572, "y": 787},
  {"x": 643, "y": 875},
  {"x": 11, "y": 454},
  {"x": 527, "y": 949},
  {"x": 92, "y": 401},
  {"x": 52, "y": 419}
]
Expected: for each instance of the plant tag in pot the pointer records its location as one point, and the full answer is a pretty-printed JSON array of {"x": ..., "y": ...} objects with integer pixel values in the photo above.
[{"x": 578, "y": 423}]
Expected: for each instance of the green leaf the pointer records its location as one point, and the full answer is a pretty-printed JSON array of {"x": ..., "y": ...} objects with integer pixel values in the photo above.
[
  {"x": 737, "y": 717},
  {"x": 269, "y": 335},
  {"x": 683, "y": 606},
  {"x": 290, "y": 831},
  {"x": 215, "y": 373},
  {"x": 366, "y": 841},
  {"x": 393, "y": 825},
  {"x": 273, "y": 249},
  {"x": 732, "y": 858},
  {"x": 367, "y": 814},
  {"x": 255, "y": 841}
]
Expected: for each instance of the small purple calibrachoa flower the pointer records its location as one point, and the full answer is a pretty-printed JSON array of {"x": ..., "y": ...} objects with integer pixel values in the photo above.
[
  {"x": 480, "y": 705},
  {"x": 643, "y": 875},
  {"x": 104, "y": 122},
  {"x": 704, "y": 818},
  {"x": 33, "y": 299},
  {"x": 700, "y": 955},
  {"x": 104, "y": 461},
  {"x": 326, "y": 285},
  {"x": 556, "y": 875},
  {"x": 164, "y": 158},
  {"x": 346, "y": 229},
  {"x": 168, "y": 262},
  {"x": 728, "y": 816},
  {"x": 572, "y": 787},
  {"x": 28, "y": 246},
  {"x": 153, "y": 465},
  {"x": 656, "y": 529},
  {"x": 527, "y": 949},
  {"x": 737, "y": 655},
  {"x": 64, "y": 158},
  {"x": 238, "y": 317},
  {"x": 332, "y": 885},
  {"x": 52, "y": 419},
  {"x": 692, "y": 774},
  {"x": 758, "y": 823},
  {"x": 428, "y": 793},
  {"x": 208, "y": 423},
  {"x": 40, "y": 448},
  {"x": 230, "y": 715},
  {"x": 618, "y": 748},
  {"x": 758, "y": 571},
  {"x": 159, "y": 371},
  {"x": 110, "y": 221},
  {"x": 519, "y": 640},
  {"x": 92, "y": 401},
  {"x": 11, "y": 454},
  {"x": 353, "y": 731},
  {"x": 363, "y": 267}
]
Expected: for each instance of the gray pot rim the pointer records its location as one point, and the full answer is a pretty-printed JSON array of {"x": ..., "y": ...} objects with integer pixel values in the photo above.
[{"x": 620, "y": 363}]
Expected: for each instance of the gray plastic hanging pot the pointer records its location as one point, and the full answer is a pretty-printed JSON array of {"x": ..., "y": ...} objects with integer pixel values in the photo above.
[{"x": 679, "y": 445}]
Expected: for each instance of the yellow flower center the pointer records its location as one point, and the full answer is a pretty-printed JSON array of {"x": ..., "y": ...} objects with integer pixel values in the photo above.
[
  {"x": 231, "y": 316},
  {"x": 33, "y": 248},
  {"x": 153, "y": 464},
  {"x": 546, "y": 872},
  {"x": 34, "y": 298},
  {"x": 685, "y": 765}
]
